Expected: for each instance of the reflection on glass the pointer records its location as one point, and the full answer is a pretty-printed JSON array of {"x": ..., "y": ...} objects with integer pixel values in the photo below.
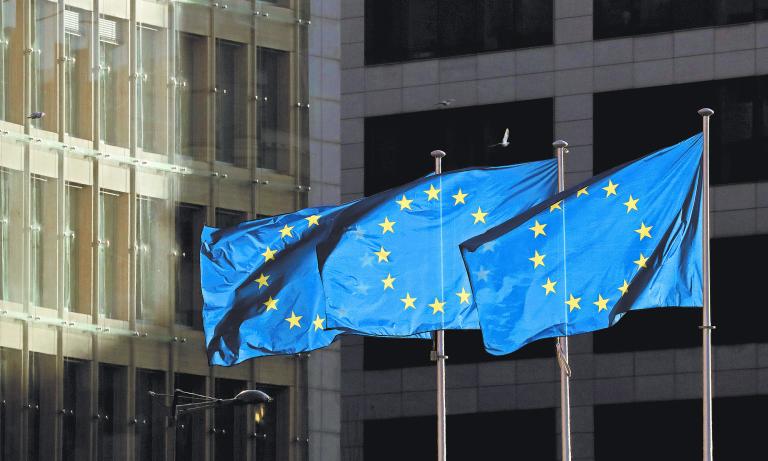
[
  {"x": 108, "y": 256},
  {"x": 150, "y": 89},
  {"x": 273, "y": 109},
  {"x": 43, "y": 78},
  {"x": 10, "y": 404},
  {"x": 231, "y": 437},
  {"x": 10, "y": 60},
  {"x": 5, "y": 228},
  {"x": 190, "y": 220},
  {"x": 71, "y": 244},
  {"x": 110, "y": 412},
  {"x": 37, "y": 218},
  {"x": 113, "y": 67},
  {"x": 191, "y": 110},
  {"x": 148, "y": 263},
  {"x": 76, "y": 402},
  {"x": 231, "y": 101},
  {"x": 77, "y": 37},
  {"x": 41, "y": 409},
  {"x": 229, "y": 218},
  {"x": 149, "y": 416}
]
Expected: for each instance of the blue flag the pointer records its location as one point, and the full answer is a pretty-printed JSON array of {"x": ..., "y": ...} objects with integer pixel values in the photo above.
[
  {"x": 261, "y": 287},
  {"x": 629, "y": 238},
  {"x": 392, "y": 265}
]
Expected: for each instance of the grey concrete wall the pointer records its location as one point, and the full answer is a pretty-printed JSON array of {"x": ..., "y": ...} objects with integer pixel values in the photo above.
[
  {"x": 324, "y": 366},
  {"x": 570, "y": 72}
]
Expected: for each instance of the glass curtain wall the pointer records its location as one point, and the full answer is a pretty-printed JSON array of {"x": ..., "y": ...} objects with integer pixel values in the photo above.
[{"x": 125, "y": 127}]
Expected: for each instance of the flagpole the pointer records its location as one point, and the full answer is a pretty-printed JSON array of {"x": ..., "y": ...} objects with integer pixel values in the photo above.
[
  {"x": 707, "y": 327},
  {"x": 438, "y": 355},
  {"x": 562, "y": 342}
]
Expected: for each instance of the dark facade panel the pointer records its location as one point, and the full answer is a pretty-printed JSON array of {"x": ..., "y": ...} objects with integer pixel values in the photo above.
[
  {"x": 397, "y": 146},
  {"x": 620, "y": 18},
  {"x": 673, "y": 429},
  {"x": 631, "y": 123},
  {"x": 522, "y": 434},
  {"x": 402, "y": 30}
]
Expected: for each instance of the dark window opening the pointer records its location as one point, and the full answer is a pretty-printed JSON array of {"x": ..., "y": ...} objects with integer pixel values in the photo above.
[
  {"x": 528, "y": 434},
  {"x": 190, "y": 220},
  {"x": 662, "y": 116},
  {"x": 76, "y": 410},
  {"x": 229, "y": 218},
  {"x": 190, "y": 428},
  {"x": 111, "y": 416},
  {"x": 231, "y": 433},
  {"x": 150, "y": 416}
]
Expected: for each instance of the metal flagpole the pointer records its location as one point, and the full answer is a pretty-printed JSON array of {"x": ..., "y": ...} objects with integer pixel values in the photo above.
[
  {"x": 707, "y": 327},
  {"x": 562, "y": 342},
  {"x": 438, "y": 354}
]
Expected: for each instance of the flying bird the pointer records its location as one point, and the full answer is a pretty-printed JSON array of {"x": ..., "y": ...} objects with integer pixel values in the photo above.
[
  {"x": 445, "y": 102},
  {"x": 36, "y": 115},
  {"x": 504, "y": 141}
]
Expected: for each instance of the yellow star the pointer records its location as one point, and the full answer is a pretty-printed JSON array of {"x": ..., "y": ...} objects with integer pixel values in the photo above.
[
  {"x": 537, "y": 259},
  {"x": 269, "y": 254},
  {"x": 382, "y": 254},
  {"x": 549, "y": 286},
  {"x": 271, "y": 304},
  {"x": 404, "y": 203},
  {"x": 644, "y": 231},
  {"x": 437, "y": 306},
  {"x": 538, "y": 229},
  {"x": 286, "y": 231},
  {"x": 623, "y": 289},
  {"x": 582, "y": 191},
  {"x": 601, "y": 303},
  {"x": 386, "y": 226},
  {"x": 318, "y": 323},
  {"x": 573, "y": 303},
  {"x": 463, "y": 296},
  {"x": 262, "y": 280},
  {"x": 555, "y": 206},
  {"x": 432, "y": 193},
  {"x": 388, "y": 282},
  {"x": 408, "y": 301},
  {"x": 641, "y": 262},
  {"x": 631, "y": 204},
  {"x": 313, "y": 220},
  {"x": 479, "y": 216},
  {"x": 610, "y": 189},
  {"x": 460, "y": 196},
  {"x": 294, "y": 320}
]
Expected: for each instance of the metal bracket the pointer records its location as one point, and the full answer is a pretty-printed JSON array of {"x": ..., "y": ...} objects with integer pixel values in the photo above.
[
  {"x": 433, "y": 357},
  {"x": 707, "y": 327}
]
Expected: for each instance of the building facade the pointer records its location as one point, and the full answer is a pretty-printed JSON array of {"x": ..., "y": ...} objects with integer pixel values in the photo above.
[
  {"x": 615, "y": 79},
  {"x": 159, "y": 117}
]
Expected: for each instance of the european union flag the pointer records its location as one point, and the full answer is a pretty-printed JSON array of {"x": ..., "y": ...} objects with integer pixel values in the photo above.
[
  {"x": 261, "y": 287},
  {"x": 629, "y": 238},
  {"x": 392, "y": 265}
]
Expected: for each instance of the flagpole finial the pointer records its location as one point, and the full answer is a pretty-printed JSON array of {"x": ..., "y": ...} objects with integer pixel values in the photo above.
[
  {"x": 437, "y": 154},
  {"x": 706, "y": 112},
  {"x": 559, "y": 144}
]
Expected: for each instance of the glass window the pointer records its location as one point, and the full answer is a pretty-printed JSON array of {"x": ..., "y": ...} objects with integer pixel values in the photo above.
[
  {"x": 150, "y": 258},
  {"x": 11, "y": 233},
  {"x": 76, "y": 411},
  {"x": 41, "y": 408},
  {"x": 111, "y": 414},
  {"x": 150, "y": 416},
  {"x": 112, "y": 269},
  {"x": 76, "y": 248},
  {"x": 10, "y": 404},
  {"x": 42, "y": 241},
  {"x": 77, "y": 71},
  {"x": 113, "y": 66},
  {"x": 190, "y": 220},
  {"x": 229, "y": 218},
  {"x": 421, "y": 29},
  {"x": 190, "y": 428},
  {"x": 274, "y": 115},
  {"x": 231, "y": 102},
  {"x": 192, "y": 94},
  {"x": 11, "y": 59},
  {"x": 231, "y": 431},
  {"x": 43, "y": 81},
  {"x": 151, "y": 84},
  {"x": 271, "y": 427},
  {"x": 734, "y": 11}
]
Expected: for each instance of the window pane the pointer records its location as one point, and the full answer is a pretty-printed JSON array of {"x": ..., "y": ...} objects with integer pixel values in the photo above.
[
  {"x": 42, "y": 411},
  {"x": 113, "y": 71},
  {"x": 230, "y": 422},
  {"x": 190, "y": 220},
  {"x": 734, "y": 11},
  {"x": 457, "y": 27},
  {"x": 191, "y": 97},
  {"x": 150, "y": 417},
  {"x": 152, "y": 270},
  {"x": 231, "y": 102},
  {"x": 11, "y": 59},
  {"x": 653, "y": 15},
  {"x": 10, "y": 404},
  {"x": 43, "y": 242},
  {"x": 271, "y": 424},
  {"x": 229, "y": 218},
  {"x": 190, "y": 428},
  {"x": 11, "y": 234},
  {"x": 273, "y": 109},
  {"x": 77, "y": 72},
  {"x": 111, "y": 413},
  {"x": 533, "y": 22},
  {"x": 384, "y": 31},
  {"x": 112, "y": 269},
  {"x": 420, "y": 17},
  {"x": 496, "y": 19},
  {"x": 76, "y": 411},
  {"x": 43, "y": 78},
  {"x": 76, "y": 248},
  {"x": 151, "y": 87}
]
